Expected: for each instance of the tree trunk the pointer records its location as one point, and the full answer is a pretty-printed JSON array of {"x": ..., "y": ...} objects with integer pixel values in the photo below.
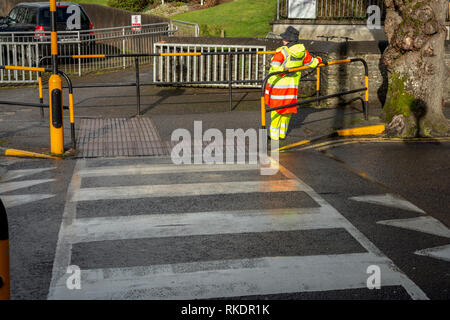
[{"x": 416, "y": 68}]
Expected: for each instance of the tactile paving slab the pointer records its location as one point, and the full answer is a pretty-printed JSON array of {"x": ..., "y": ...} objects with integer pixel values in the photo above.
[{"x": 119, "y": 137}]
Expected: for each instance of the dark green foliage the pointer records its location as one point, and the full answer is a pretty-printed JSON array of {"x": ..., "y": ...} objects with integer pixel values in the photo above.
[{"x": 131, "y": 5}]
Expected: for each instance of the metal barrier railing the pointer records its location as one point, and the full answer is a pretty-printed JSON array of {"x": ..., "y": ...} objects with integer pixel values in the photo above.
[
  {"x": 39, "y": 71},
  {"x": 229, "y": 81},
  {"x": 318, "y": 98},
  {"x": 185, "y": 29},
  {"x": 26, "y": 48},
  {"x": 210, "y": 68}
]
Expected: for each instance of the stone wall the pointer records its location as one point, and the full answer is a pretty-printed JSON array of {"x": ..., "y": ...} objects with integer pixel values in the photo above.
[
  {"x": 351, "y": 76},
  {"x": 313, "y": 29}
]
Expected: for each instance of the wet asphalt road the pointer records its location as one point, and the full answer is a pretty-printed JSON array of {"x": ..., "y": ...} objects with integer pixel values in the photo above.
[{"x": 390, "y": 169}]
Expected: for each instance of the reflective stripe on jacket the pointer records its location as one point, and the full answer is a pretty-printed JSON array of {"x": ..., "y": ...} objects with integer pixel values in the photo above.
[{"x": 282, "y": 89}]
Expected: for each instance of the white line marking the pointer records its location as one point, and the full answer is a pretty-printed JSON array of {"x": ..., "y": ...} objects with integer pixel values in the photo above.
[
  {"x": 15, "y": 174},
  {"x": 161, "y": 169},
  {"x": 11, "y": 186},
  {"x": 422, "y": 224},
  {"x": 231, "y": 278},
  {"x": 64, "y": 247},
  {"x": 441, "y": 253},
  {"x": 389, "y": 200},
  {"x": 203, "y": 223},
  {"x": 179, "y": 190},
  {"x": 17, "y": 200}
]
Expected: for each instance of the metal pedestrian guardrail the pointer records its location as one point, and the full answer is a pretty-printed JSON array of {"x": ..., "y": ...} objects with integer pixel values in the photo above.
[
  {"x": 245, "y": 66},
  {"x": 185, "y": 29},
  {"x": 27, "y": 48},
  {"x": 318, "y": 98},
  {"x": 228, "y": 81}
]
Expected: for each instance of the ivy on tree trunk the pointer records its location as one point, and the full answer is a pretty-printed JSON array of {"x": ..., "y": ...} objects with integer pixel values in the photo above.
[{"x": 416, "y": 67}]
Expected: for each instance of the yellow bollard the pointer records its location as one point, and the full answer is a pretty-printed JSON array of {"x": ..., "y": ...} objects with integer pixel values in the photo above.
[
  {"x": 5, "y": 285},
  {"x": 56, "y": 115},
  {"x": 55, "y": 91}
]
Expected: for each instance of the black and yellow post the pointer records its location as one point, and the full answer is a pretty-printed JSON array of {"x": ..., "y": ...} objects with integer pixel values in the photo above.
[
  {"x": 41, "y": 94},
  {"x": 318, "y": 86},
  {"x": 4, "y": 255},
  {"x": 366, "y": 98},
  {"x": 55, "y": 92}
]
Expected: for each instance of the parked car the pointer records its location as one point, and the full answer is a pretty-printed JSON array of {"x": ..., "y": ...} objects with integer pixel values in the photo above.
[{"x": 35, "y": 17}]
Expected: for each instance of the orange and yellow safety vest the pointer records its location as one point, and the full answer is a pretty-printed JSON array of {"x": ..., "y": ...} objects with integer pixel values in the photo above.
[{"x": 282, "y": 89}]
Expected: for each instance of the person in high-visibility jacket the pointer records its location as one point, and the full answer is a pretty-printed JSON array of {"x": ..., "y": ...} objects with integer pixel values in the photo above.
[{"x": 282, "y": 89}]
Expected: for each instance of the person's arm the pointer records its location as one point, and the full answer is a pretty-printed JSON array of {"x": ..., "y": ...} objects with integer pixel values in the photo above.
[
  {"x": 277, "y": 62},
  {"x": 310, "y": 61}
]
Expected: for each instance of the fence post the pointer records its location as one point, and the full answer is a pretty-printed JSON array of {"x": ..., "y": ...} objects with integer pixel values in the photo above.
[
  {"x": 230, "y": 75},
  {"x": 278, "y": 9},
  {"x": 138, "y": 87},
  {"x": 123, "y": 47},
  {"x": 79, "y": 53}
]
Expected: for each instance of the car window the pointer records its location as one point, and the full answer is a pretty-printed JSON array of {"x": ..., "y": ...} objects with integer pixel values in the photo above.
[
  {"x": 13, "y": 14},
  {"x": 21, "y": 15},
  {"x": 84, "y": 18},
  {"x": 31, "y": 16},
  {"x": 61, "y": 16}
]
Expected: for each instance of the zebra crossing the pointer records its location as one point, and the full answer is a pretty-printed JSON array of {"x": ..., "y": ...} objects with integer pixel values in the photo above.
[
  {"x": 304, "y": 246},
  {"x": 7, "y": 184}
]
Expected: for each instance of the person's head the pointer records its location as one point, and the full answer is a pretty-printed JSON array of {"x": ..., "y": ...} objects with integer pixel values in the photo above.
[{"x": 291, "y": 34}]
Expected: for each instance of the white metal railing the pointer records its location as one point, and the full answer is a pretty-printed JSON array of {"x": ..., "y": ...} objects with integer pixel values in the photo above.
[
  {"x": 27, "y": 48},
  {"x": 214, "y": 68},
  {"x": 186, "y": 29},
  {"x": 329, "y": 9}
]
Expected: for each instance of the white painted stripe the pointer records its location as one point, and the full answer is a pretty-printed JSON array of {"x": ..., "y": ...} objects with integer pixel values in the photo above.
[
  {"x": 201, "y": 223},
  {"x": 179, "y": 190},
  {"x": 283, "y": 97},
  {"x": 162, "y": 169},
  {"x": 15, "y": 174},
  {"x": 422, "y": 224},
  {"x": 17, "y": 200},
  {"x": 283, "y": 86},
  {"x": 63, "y": 246},
  {"x": 389, "y": 200},
  {"x": 231, "y": 278},
  {"x": 441, "y": 253},
  {"x": 11, "y": 186}
]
